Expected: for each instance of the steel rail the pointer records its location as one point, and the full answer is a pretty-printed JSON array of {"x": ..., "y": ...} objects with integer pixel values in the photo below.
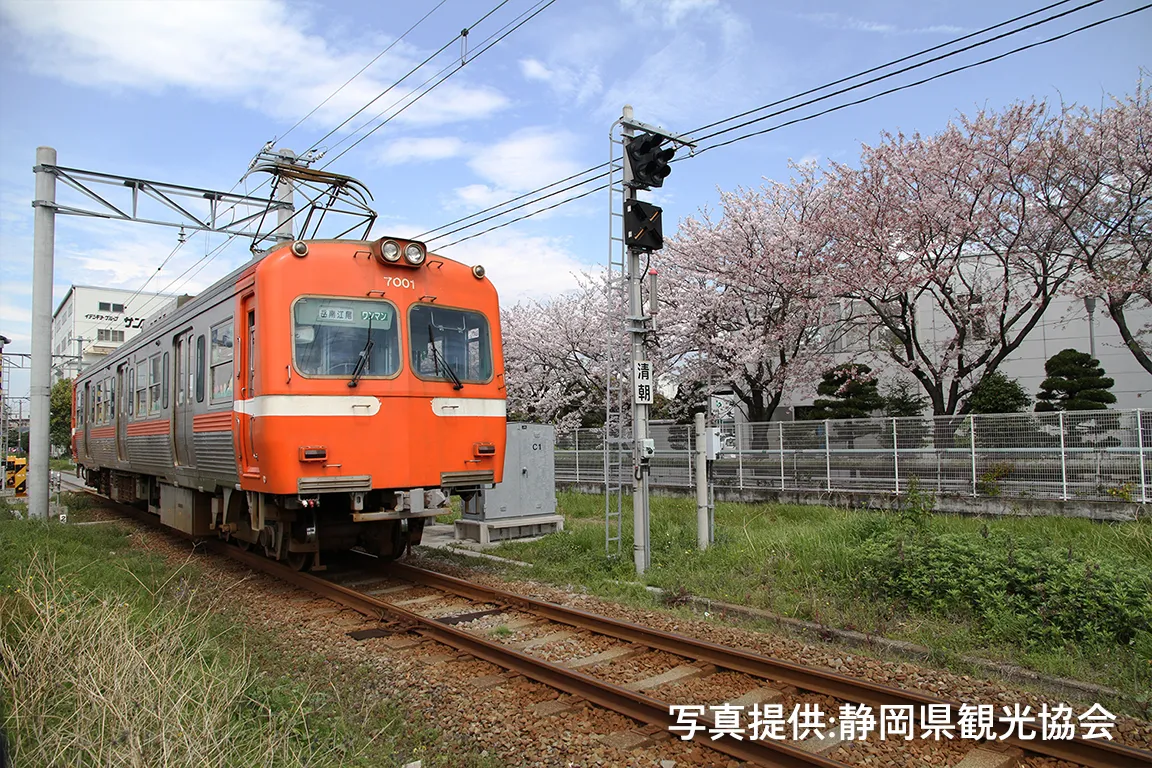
[
  {"x": 1097, "y": 754},
  {"x": 613, "y": 697},
  {"x": 629, "y": 703}
]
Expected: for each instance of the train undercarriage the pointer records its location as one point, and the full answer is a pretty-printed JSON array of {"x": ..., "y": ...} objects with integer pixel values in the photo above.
[{"x": 296, "y": 530}]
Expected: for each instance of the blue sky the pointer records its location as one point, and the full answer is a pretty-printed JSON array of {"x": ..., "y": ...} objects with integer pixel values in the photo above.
[{"x": 188, "y": 92}]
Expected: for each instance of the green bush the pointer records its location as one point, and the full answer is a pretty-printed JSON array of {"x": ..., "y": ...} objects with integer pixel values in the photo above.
[{"x": 1037, "y": 597}]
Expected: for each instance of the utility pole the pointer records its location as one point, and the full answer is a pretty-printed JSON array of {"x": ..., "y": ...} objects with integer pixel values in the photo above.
[
  {"x": 284, "y": 196},
  {"x": 180, "y": 207},
  {"x": 641, "y": 551},
  {"x": 43, "y": 254},
  {"x": 646, "y": 165}
]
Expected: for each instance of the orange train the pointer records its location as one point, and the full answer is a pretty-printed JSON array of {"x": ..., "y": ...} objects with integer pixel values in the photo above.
[{"x": 329, "y": 395}]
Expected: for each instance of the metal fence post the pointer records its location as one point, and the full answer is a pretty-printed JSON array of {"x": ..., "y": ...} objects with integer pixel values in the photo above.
[
  {"x": 781, "y": 425},
  {"x": 972, "y": 448},
  {"x": 739, "y": 457},
  {"x": 691, "y": 463},
  {"x": 895, "y": 456},
  {"x": 577, "y": 433},
  {"x": 1063, "y": 461},
  {"x": 1140, "y": 447},
  {"x": 828, "y": 454}
]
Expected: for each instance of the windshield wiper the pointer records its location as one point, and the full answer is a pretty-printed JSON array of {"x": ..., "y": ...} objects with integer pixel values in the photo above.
[
  {"x": 456, "y": 383},
  {"x": 362, "y": 363}
]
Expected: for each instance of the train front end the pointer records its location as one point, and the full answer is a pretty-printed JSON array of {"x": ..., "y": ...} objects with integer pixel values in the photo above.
[{"x": 370, "y": 388}]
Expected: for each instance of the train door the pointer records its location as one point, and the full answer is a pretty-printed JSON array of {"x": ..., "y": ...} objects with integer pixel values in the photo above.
[
  {"x": 183, "y": 400},
  {"x": 246, "y": 374},
  {"x": 85, "y": 418},
  {"x": 121, "y": 414}
]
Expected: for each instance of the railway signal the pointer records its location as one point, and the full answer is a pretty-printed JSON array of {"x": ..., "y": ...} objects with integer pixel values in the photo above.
[
  {"x": 645, "y": 165},
  {"x": 643, "y": 225},
  {"x": 647, "y": 160}
]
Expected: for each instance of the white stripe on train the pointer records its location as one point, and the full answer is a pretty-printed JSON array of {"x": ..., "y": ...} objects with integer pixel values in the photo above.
[{"x": 360, "y": 405}]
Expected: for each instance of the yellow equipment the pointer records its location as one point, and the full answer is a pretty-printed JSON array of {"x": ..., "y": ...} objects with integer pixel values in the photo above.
[{"x": 16, "y": 475}]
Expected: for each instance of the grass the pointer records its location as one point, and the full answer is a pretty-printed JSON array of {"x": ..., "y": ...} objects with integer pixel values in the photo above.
[
  {"x": 1062, "y": 596},
  {"x": 61, "y": 465},
  {"x": 109, "y": 656}
]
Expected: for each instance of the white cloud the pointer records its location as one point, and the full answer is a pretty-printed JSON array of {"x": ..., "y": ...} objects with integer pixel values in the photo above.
[
  {"x": 414, "y": 150},
  {"x": 527, "y": 159},
  {"x": 576, "y": 85},
  {"x": 672, "y": 12},
  {"x": 522, "y": 266},
  {"x": 533, "y": 69},
  {"x": 853, "y": 24},
  {"x": 262, "y": 53}
]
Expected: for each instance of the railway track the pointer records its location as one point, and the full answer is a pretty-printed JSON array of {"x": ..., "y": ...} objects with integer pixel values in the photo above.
[{"x": 461, "y": 616}]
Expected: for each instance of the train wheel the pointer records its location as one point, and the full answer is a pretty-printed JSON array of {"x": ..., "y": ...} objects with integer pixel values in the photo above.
[
  {"x": 243, "y": 544},
  {"x": 299, "y": 561}
]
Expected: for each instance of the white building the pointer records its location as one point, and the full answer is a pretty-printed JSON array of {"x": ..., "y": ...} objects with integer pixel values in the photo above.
[{"x": 91, "y": 322}]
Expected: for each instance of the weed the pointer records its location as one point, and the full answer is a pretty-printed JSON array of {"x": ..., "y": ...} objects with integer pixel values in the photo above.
[
  {"x": 1021, "y": 589},
  {"x": 988, "y": 484},
  {"x": 502, "y": 631}
]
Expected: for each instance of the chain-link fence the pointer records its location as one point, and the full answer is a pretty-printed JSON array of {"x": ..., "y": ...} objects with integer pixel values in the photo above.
[{"x": 1088, "y": 455}]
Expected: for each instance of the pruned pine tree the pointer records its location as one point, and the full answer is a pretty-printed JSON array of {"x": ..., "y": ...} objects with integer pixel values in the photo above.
[{"x": 1075, "y": 382}]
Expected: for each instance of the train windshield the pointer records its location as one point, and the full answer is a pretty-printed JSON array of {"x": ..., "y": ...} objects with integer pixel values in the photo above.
[
  {"x": 331, "y": 335},
  {"x": 450, "y": 344}
]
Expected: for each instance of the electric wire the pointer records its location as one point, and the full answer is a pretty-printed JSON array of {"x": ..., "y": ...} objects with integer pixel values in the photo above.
[
  {"x": 527, "y": 215},
  {"x": 879, "y": 67},
  {"x": 785, "y": 100},
  {"x": 922, "y": 81},
  {"x": 812, "y": 116},
  {"x": 901, "y": 71},
  {"x": 363, "y": 69},
  {"x": 410, "y": 72},
  {"x": 209, "y": 256},
  {"x": 524, "y": 19}
]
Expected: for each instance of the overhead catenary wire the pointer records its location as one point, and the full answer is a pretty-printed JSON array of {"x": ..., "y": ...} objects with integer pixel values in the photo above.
[
  {"x": 363, "y": 69},
  {"x": 922, "y": 81},
  {"x": 805, "y": 118},
  {"x": 524, "y": 18},
  {"x": 879, "y": 67},
  {"x": 783, "y": 111},
  {"x": 208, "y": 257},
  {"x": 909, "y": 68},
  {"x": 408, "y": 74},
  {"x": 778, "y": 102}
]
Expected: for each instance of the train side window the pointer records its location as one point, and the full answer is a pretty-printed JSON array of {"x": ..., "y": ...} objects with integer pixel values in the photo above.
[
  {"x": 99, "y": 407},
  {"x": 155, "y": 375},
  {"x": 200, "y": 368},
  {"x": 111, "y": 398},
  {"x": 130, "y": 401},
  {"x": 221, "y": 362},
  {"x": 142, "y": 388},
  {"x": 164, "y": 383}
]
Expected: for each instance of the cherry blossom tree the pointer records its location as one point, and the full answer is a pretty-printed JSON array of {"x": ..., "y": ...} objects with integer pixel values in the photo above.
[
  {"x": 554, "y": 354},
  {"x": 1103, "y": 195},
  {"x": 951, "y": 243},
  {"x": 745, "y": 301}
]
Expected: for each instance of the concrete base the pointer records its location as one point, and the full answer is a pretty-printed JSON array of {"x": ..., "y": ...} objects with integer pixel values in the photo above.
[
  {"x": 1000, "y": 506},
  {"x": 488, "y": 531}
]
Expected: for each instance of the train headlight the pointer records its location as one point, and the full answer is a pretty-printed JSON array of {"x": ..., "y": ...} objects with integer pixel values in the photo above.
[
  {"x": 414, "y": 254},
  {"x": 478, "y": 272},
  {"x": 390, "y": 250}
]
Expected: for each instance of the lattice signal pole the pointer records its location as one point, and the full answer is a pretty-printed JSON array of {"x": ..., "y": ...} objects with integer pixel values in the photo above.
[{"x": 645, "y": 165}]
